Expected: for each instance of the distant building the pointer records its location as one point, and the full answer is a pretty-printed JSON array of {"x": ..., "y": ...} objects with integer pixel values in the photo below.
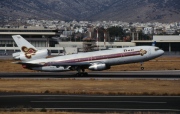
[
  {"x": 79, "y": 30},
  {"x": 170, "y": 31},
  {"x": 47, "y": 38},
  {"x": 68, "y": 33},
  {"x": 148, "y": 30},
  {"x": 158, "y": 30},
  {"x": 39, "y": 37},
  {"x": 169, "y": 43}
]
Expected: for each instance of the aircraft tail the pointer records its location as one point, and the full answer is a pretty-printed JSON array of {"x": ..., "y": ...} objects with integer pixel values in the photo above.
[
  {"x": 154, "y": 43},
  {"x": 22, "y": 43},
  {"x": 28, "y": 51}
]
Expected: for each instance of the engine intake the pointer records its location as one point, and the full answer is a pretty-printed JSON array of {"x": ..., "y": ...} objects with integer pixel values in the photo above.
[{"x": 98, "y": 67}]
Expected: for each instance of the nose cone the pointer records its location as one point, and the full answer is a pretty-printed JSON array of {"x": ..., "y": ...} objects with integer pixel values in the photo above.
[
  {"x": 161, "y": 52},
  {"x": 156, "y": 52}
]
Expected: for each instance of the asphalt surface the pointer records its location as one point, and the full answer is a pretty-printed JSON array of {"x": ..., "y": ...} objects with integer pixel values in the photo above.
[
  {"x": 171, "y": 74},
  {"x": 87, "y": 103}
]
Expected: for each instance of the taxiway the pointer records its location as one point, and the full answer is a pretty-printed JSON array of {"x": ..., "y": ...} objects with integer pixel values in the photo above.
[{"x": 87, "y": 103}]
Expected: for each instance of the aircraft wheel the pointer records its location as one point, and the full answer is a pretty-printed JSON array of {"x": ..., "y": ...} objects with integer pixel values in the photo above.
[
  {"x": 142, "y": 68},
  {"x": 85, "y": 74},
  {"x": 78, "y": 74},
  {"x": 82, "y": 74}
]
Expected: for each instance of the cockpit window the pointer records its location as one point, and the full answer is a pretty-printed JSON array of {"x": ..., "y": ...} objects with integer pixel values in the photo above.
[{"x": 156, "y": 49}]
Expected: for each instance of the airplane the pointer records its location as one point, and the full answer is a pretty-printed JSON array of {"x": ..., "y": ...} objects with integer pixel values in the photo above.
[{"x": 34, "y": 59}]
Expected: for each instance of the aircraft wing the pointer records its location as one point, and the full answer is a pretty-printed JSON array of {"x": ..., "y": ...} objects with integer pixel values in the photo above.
[
  {"x": 65, "y": 64},
  {"x": 70, "y": 64},
  {"x": 28, "y": 64},
  {"x": 55, "y": 64}
]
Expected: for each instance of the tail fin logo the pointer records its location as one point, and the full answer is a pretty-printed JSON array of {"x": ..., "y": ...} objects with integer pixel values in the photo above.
[{"x": 28, "y": 51}]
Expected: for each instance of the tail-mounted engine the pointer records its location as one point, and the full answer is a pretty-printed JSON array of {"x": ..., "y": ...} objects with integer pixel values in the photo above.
[{"x": 23, "y": 56}]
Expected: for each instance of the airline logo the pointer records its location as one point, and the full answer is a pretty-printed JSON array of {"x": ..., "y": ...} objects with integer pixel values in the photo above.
[
  {"x": 142, "y": 52},
  {"x": 29, "y": 52}
]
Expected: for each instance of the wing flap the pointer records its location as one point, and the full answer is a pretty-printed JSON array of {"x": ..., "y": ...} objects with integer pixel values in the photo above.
[
  {"x": 28, "y": 64},
  {"x": 71, "y": 64}
]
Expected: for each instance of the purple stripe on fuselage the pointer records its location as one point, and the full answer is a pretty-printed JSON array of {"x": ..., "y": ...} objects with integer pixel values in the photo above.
[{"x": 93, "y": 58}]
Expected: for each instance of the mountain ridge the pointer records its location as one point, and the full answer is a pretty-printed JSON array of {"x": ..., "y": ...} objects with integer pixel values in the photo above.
[{"x": 93, "y": 10}]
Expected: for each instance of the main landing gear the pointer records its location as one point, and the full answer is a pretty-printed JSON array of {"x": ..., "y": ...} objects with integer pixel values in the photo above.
[
  {"x": 81, "y": 72},
  {"x": 142, "y": 68}
]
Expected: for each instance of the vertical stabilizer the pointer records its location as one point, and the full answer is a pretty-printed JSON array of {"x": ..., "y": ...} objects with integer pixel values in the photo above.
[
  {"x": 28, "y": 51},
  {"x": 154, "y": 43},
  {"x": 22, "y": 43}
]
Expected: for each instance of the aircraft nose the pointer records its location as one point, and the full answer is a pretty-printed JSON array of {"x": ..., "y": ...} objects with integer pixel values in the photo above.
[{"x": 161, "y": 52}]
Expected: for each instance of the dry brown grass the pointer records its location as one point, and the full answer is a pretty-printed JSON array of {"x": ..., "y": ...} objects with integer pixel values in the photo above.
[
  {"x": 8, "y": 66},
  {"x": 161, "y": 63},
  {"x": 107, "y": 87}
]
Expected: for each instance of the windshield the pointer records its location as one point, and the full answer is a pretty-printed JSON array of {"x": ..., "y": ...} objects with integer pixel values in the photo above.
[{"x": 156, "y": 49}]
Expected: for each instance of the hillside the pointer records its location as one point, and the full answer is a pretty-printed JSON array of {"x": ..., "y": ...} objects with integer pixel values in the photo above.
[{"x": 121, "y": 10}]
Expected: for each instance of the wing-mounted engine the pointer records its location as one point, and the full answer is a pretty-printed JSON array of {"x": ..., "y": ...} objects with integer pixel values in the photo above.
[
  {"x": 98, "y": 67},
  {"x": 31, "y": 55}
]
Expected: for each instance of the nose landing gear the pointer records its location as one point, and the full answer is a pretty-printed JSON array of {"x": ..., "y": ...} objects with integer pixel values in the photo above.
[{"x": 142, "y": 68}]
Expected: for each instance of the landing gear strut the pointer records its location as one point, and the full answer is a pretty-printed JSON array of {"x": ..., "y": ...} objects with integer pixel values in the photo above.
[
  {"x": 142, "y": 68},
  {"x": 83, "y": 73}
]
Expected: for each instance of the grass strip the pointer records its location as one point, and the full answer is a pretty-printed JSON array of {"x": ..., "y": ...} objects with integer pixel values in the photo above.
[{"x": 92, "y": 86}]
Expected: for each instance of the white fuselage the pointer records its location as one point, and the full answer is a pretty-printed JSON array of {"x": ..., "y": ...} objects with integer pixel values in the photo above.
[{"x": 109, "y": 57}]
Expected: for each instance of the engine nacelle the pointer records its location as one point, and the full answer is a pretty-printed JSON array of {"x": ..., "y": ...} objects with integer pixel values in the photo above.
[
  {"x": 98, "y": 67},
  {"x": 16, "y": 55},
  {"x": 31, "y": 56}
]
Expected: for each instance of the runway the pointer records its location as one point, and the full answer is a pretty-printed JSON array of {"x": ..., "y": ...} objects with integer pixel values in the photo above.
[
  {"x": 87, "y": 103},
  {"x": 93, "y": 103},
  {"x": 171, "y": 74}
]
